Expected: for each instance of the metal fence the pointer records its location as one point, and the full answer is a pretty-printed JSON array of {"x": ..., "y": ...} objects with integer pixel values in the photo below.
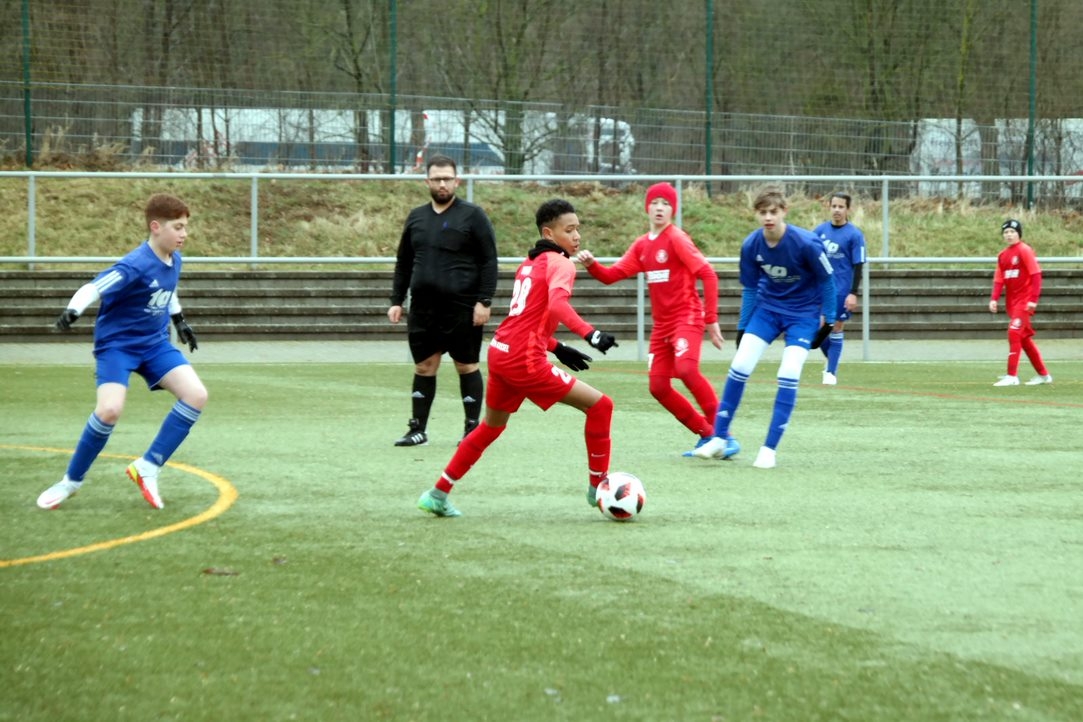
[
  {"x": 889, "y": 187},
  {"x": 885, "y": 188},
  {"x": 105, "y": 127}
]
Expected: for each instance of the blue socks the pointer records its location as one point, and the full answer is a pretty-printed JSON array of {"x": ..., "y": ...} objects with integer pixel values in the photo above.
[
  {"x": 785, "y": 400},
  {"x": 731, "y": 399},
  {"x": 178, "y": 422},
  {"x": 94, "y": 438},
  {"x": 833, "y": 350}
]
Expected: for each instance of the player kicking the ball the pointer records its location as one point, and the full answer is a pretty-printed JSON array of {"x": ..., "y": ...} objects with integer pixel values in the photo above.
[{"x": 519, "y": 368}]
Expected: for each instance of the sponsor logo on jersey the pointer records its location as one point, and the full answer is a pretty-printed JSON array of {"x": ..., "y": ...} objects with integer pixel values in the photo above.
[
  {"x": 776, "y": 273},
  {"x": 661, "y": 276}
]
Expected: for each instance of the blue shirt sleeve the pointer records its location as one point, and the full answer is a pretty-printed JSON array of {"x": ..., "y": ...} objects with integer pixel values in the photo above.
[
  {"x": 748, "y": 305},
  {"x": 827, "y": 291}
]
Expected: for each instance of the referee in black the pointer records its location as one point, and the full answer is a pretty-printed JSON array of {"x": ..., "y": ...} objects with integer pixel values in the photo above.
[{"x": 447, "y": 261}]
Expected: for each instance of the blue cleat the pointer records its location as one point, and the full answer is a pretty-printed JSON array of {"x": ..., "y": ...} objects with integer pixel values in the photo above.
[{"x": 715, "y": 447}]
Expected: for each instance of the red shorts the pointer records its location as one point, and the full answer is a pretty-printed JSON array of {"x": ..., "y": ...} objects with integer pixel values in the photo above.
[
  {"x": 685, "y": 344},
  {"x": 1019, "y": 321},
  {"x": 512, "y": 380}
]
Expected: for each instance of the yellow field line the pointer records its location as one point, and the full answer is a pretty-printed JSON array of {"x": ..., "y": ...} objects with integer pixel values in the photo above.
[{"x": 227, "y": 494}]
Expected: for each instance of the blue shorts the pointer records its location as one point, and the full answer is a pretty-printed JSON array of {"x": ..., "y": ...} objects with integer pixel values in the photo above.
[
  {"x": 115, "y": 365},
  {"x": 769, "y": 325},
  {"x": 841, "y": 314}
]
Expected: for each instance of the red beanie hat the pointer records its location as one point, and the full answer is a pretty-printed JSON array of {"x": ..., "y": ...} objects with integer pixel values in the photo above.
[{"x": 662, "y": 190}]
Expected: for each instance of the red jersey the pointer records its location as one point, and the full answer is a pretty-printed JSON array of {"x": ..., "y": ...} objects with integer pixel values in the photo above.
[
  {"x": 539, "y": 301},
  {"x": 1019, "y": 274},
  {"x": 671, "y": 263}
]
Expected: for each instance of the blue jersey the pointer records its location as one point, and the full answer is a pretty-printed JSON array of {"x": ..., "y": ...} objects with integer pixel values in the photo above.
[
  {"x": 135, "y": 295},
  {"x": 845, "y": 248},
  {"x": 789, "y": 277}
]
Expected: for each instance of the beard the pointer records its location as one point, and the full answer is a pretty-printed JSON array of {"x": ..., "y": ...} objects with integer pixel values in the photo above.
[{"x": 441, "y": 195}]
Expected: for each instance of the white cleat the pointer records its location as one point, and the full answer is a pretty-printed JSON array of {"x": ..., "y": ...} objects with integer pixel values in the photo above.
[
  {"x": 145, "y": 476},
  {"x": 1039, "y": 380},
  {"x": 56, "y": 494},
  {"x": 765, "y": 459},
  {"x": 713, "y": 448},
  {"x": 830, "y": 379},
  {"x": 1007, "y": 381}
]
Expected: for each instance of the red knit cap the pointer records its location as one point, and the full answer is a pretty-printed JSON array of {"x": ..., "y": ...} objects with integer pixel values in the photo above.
[{"x": 662, "y": 190}]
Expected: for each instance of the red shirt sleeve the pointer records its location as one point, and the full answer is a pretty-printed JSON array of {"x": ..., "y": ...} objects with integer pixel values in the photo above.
[
  {"x": 561, "y": 280},
  {"x": 709, "y": 278},
  {"x": 1030, "y": 266},
  {"x": 625, "y": 267}
]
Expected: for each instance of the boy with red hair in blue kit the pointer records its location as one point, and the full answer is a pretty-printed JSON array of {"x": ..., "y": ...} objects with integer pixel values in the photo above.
[
  {"x": 1020, "y": 277},
  {"x": 671, "y": 263},
  {"x": 138, "y": 297}
]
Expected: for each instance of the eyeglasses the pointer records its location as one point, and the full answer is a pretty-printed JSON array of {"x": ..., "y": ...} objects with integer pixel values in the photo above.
[{"x": 438, "y": 181}]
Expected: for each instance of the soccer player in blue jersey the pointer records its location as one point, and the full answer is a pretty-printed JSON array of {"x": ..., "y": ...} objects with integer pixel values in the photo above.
[
  {"x": 844, "y": 244},
  {"x": 138, "y": 298},
  {"x": 787, "y": 284}
]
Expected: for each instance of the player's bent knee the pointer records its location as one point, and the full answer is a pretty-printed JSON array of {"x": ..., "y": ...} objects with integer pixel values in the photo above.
[
  {"x": 109, "y": 413},
  {"x": 601, "y": 407},
  {"x": 196, "y": 398},
  {"x": 659, "y": 386}
]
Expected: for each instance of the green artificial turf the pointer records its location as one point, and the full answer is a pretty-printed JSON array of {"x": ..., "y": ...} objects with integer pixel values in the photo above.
[{"x": 916, "y": 555}]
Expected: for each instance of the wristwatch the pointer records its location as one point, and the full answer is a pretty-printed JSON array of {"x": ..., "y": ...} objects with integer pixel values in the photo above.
[{"x": 487, "y": 302}]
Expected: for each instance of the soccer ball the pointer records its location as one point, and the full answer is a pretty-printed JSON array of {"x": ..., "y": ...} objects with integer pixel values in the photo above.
[{"x": 621, "y": 496}]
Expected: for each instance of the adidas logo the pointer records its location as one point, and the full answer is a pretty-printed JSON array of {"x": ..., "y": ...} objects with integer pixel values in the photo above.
[
  {"x": 154, "y": 283},
  {"x": 417, "y": 395},
  {"x": 468, "y": 399}
]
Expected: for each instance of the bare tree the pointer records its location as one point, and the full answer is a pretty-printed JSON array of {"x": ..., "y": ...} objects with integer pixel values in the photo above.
[{"x": 359, "y": 49}]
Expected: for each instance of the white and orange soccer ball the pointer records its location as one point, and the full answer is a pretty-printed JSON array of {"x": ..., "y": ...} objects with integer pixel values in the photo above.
[{"x": 621, "y": 497}]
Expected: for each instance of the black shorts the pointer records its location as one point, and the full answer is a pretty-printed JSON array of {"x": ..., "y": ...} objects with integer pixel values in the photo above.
[{"x": 451, "y": 331}]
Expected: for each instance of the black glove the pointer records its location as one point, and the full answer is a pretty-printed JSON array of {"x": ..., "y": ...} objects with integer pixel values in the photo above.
[
  {"x": 572, "y": 357},
  {"x": 601, "y": 340},
  {"x": 66, "y": 320},
  {"x": 821, "y": 335},
  {"x": 740, "y": 333},
  {"x": 184, "y": 331}
]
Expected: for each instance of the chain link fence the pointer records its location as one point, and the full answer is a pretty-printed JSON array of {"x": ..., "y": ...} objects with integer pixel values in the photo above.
[{"x": 553, "y": 87}]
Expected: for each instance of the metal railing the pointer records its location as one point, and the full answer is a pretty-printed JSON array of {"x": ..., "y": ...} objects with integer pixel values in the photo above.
[
  {"x": 254, "y": 259},
  {"x": 254, "y": 178}
]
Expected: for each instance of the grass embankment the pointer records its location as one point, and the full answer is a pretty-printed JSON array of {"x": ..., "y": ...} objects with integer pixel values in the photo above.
[{"x": 92, "y": 217}]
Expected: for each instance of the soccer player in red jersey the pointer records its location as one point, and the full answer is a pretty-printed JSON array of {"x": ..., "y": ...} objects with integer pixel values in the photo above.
[
  {"x": 1020, "y": 276},
  {"x": 671, "y": 263},
  {"x": 519, "y": 368}
]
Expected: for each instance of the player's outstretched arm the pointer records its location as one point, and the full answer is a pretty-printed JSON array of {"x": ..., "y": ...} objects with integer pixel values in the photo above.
[
  {"x": 66, "y": 319},
  {"x": 601, "y": 340},
  {"x": 572, "y": 357},
  {"x": 86, "y": 295}
]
